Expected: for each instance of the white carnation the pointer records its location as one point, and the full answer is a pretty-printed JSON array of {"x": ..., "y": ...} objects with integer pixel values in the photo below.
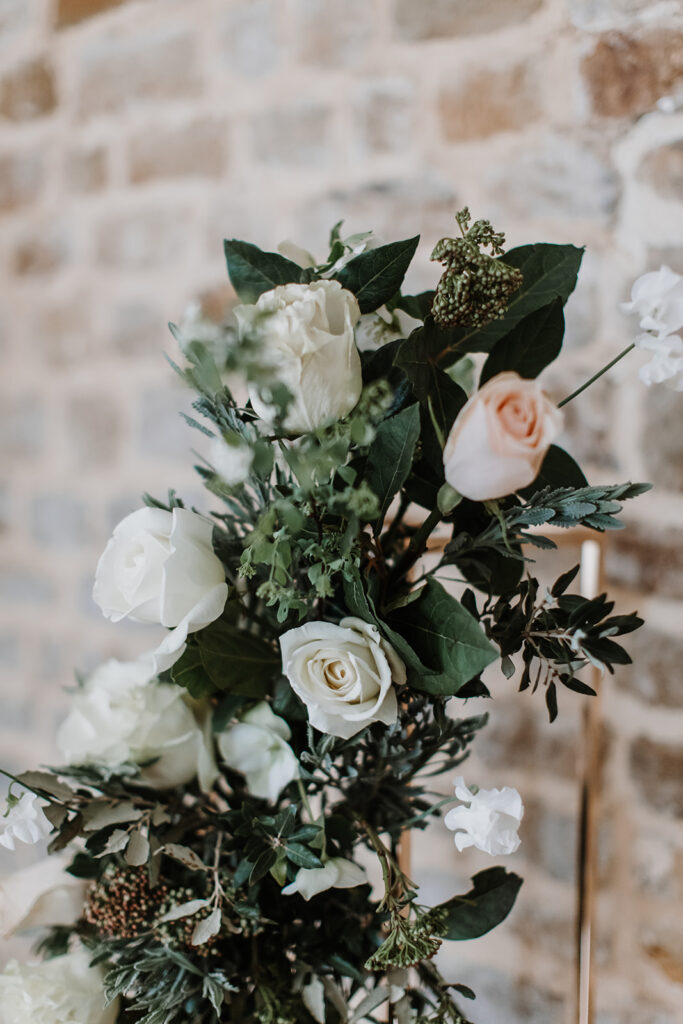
[
  {"x": 122, "y": 713},
  {"x": 488, "y": 819},
  {"x": 64, "y": 990},
  {"x": 257, "y": 747},
  {"x": 23, "y": 821}
]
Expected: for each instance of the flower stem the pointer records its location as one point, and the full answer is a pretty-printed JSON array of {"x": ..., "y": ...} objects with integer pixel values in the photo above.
[{"x": 597, "y": 375}]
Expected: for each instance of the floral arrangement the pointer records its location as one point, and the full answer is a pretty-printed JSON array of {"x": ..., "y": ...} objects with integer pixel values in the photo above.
[{"x": 222, "y": 799}]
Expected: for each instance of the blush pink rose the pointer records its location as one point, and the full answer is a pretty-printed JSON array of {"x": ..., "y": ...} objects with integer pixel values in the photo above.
[{"x": 499, "y": 440}]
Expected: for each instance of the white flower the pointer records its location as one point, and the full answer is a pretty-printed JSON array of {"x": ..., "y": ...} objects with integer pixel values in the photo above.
[
  {"x": 313, "y": 998},
  {"x": 344, "y": 674},
  {"x": 306, "y": 336},
  {"x": 24, "y": 821},
  {"x": 39, "y": 896},
  {"x": 666, "y": 364},
  {"x": 657, "y": 298},
  {"x": 500, "y": 438},
  {"x": 64, "y": 990},
  {"x": 160, "y": 567},
  {"x": 291, "y": 251},
  {"x": 488, "y": 819},
  {"x": 122, "y": 713},
  {"x": 336, "y": 873},
  {"x": 379, "y": 328},
  {"x": 231, "y": 460},
  {"x": 257, "y": 747}
]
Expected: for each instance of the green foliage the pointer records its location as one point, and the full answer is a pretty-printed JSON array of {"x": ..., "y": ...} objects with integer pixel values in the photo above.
[
  {"x": 375, "y": 276},
  {"x": 528, "y": 348},
  {"x": 253, "y": 271},
  {"x": 391, "y": 456},
  {"x": 488, "y": 902}
]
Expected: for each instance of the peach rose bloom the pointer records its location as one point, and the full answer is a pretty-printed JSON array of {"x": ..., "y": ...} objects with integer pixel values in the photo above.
[{"x": 499, "y": 439}]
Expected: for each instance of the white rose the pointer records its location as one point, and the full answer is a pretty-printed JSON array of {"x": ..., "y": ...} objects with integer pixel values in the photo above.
[
  {"x": 657, "y": 298},
  {"x": 160, "y": 567},
  {"x": 232, "y": 461},
  {"x": 63, "y": 990},
  {"x": 24, "y": 821},
  {"x": 500, "y": 438},
  {"x": 488, "y": 819},
  {"x": 257, "y": 747},
  {"x": 306, "y": 334},
  {"x": 122, "y": 713},
  {"x": 336, "y": 873},
  {"x": 344, "y": 674},
  {"x": 39, "y": 896}
]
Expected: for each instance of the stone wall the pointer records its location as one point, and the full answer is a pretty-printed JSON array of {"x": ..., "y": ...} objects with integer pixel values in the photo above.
[{"x": 133, "y": 137}]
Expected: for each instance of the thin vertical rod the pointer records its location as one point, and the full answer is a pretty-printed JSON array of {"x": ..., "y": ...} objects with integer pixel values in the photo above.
[{"x": 589, "y": 775}]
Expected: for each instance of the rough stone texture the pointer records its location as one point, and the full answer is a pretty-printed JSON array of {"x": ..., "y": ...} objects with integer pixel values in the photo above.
[
  {"x": 292, "y": 137},
  {"x": 150, "y": 130},
  {"x": 86, "y": 170},
  {"x": 115, "y": 72},
  {"x": 249, "y": 37},
  {"x": 657, "y": 768},
  {"x": 327, "y": 40},
  {"x": 488, "y": 103},
  {"x": 434, "y": 19},
  {"x": 655, "y": 675},
  {"x": 663, "y": 169},
  {"x": 626, "y": 74},
  {"x": 21, "y": 177},
  {"x": 185, "y": 151},
  {"x": 69, "y": 12},
  {"x": 28, "y": 91}
]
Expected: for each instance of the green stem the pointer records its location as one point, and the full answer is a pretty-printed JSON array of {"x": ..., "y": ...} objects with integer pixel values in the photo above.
[{"x": 596, "y": 376}]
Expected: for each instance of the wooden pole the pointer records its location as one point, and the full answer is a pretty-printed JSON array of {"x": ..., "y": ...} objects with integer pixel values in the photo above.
[{"x": 589, "y": 782}]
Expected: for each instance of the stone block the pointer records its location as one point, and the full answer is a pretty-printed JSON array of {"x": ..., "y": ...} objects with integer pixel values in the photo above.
[
  {"x": 549, "y": 840},
  {"x": 625, "y": 74},
  {"x": 150, "y": 236},
  {"x": 662, "y": 169},
  {"x": 250, "y": 44},
  {"x": 664, "y": 948},
  {"x": 657, "y": 770},
  {"x": 63, "y": 330},
  {"x": 197, "y": 149},
  {"x": 163, "y": 431},
  {"x": 86, "y": 169},
  {"x": 330, "y": 35},
  {"x": 436, "y": 19},
  {"x": 640, "y": 559},
  {"x": 655, "y": 675},
  {"x": 21, "y": 426},
  {"x": 70, "y": 12},
  {"x": 41, "y": 251},
  {"x": 294, "y": 136},
  {"x": 143, "y": 67},
  {"x": 28, "y": 91},
  {"x": 489, "y": 102},
  {"x": 137, "y": 327},
  {"x": 94, "y": 429},
  {"x": 58, "y": 520},
  {"x": 20, "y": 585},
  {"x": 600, "y": 14},
  {"x": 385, "y": 115},
  {"x": 519, "y": 735},
  {"x": 21, "y": 179},
  {"x": 559, "y": 178}
]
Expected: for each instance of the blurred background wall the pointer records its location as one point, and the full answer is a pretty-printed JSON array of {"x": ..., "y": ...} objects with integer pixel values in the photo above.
[{"x": 134, "y": 136}]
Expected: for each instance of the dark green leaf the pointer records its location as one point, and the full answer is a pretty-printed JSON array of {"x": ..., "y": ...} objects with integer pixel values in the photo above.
[
  {"x": 446, "y": 639},
  {"x": 558, "y": 469},
  {"x": 375, "y": 276},
  {"x": 551, "y": 701},
  {"x": 531, "y": 344},
  {"x": 237, "y": 661},
  {"x": 262, "y": 865},
  {"x": 417, "y": 306},
  {"x": 189, "y": 672},
  {"x": 391, "y": 456},
  {"x": 253, "y": 271},
  {"x": 302, "y": 856},
  {"x": 487, "y": 904}
]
